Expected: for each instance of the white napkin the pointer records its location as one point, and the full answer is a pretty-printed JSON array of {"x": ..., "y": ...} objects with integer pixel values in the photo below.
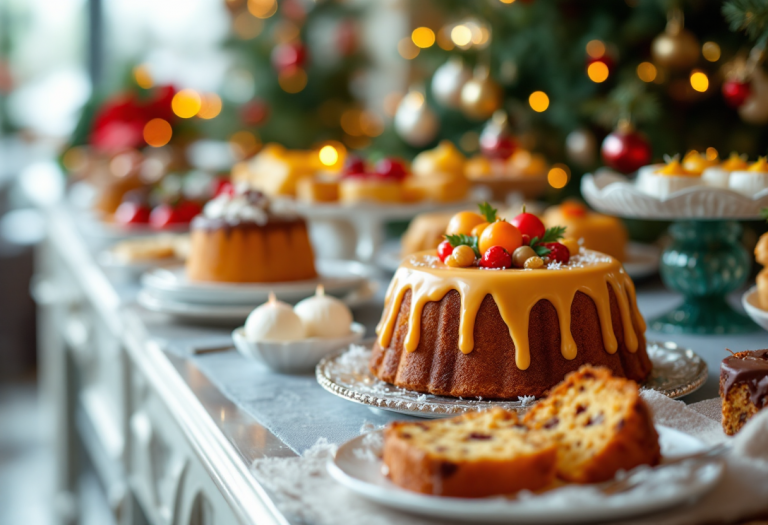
[{"x": 305, "y": 493}]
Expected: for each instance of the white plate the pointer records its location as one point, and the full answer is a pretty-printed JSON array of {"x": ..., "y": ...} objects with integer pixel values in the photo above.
[
  {"x": 751, "y": 304},
  {"x": 294, "y": 356},
  {"x": 357, "y": 466},
  {"x": 338, "y": 277},
  {"x": 232, "y": 313},
  {"x": 108, "y": 261},
  {"x": 614, "y": 194},
  {"x": 642, "y": 259}
]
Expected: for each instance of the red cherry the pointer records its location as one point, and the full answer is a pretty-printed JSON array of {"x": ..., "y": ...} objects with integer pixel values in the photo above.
[
  {"x": 526, "y": 240},
  {"x": 188, "y": 210},
  {"x": 222, "y": 186},
  {"x": 529, "y": 225},
  {"x": 496, "y": 257},
  {"x": 390, "y": 168},
  {"x": 558, "y": 252},
  {"x": 736, "y": 92},
  {"x": 444, "y": 250},
  {"x": 132, "y": 213},
  {"x": 165, "y": 215}
]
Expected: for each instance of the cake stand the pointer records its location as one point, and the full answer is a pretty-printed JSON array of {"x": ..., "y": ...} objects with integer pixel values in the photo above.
[{"x": 704, "y": 262}]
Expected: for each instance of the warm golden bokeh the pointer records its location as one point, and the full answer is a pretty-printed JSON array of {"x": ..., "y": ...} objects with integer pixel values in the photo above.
[
  {"x": 558, "y": 176},
  {"x": 595, "y": 48},
  {"x": 539, "y": 101},
  {"x": 292, "y": 80},
  {"x": 186, "y": 103},
  {"x": 423, "y": 37},
  {"x": 143, "y": 77},
  {"x": 157, "y": 132},
  {"x": 699, "y": 81},
  {"x": 598, "y": 72},
  {"x": 210, "y": 107},
  {"x": 646, "y": 72},
  {"x": 262, "y": 8}
]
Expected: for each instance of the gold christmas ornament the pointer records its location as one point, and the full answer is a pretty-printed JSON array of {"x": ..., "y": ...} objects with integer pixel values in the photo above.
[
  {"x": 676, "y": 47},
  {"x": 481, "y": 95},
  {"x": 415, "y": 122},
  {"x": 755, "y": 108},
  {"x": 448, "y": 81}
]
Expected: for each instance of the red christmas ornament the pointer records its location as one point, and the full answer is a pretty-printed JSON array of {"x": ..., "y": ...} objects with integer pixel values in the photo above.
[
  {"x": 254, "y": 113},
  {"x": 736, "y": 92},
  {"x": 289, "y": 55},
  {"x": 496, "y": 140},
  {"x": 625, "y": 149}
]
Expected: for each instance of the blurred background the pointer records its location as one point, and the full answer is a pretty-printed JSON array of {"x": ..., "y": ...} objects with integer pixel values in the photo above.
[{"x": 205, "y": 84}]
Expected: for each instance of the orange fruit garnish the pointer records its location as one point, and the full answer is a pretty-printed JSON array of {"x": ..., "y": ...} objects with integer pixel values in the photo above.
[
  {"x": 477, "y": 231},
  {"x": 500, "y": 233},
  {"x": 734, "y": 163},
  {"x": 463, "y": 222},
  {"x": 673, "y": 168},
  {"x": 573, "y": 209},
  {"x": 761, "y": 166}
]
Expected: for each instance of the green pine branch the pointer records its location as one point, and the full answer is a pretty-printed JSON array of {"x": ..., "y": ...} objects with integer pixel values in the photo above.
[{"x": 750, "y": 16}]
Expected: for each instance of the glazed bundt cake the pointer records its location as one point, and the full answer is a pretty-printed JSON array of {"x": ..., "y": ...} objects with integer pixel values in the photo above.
[
  {"x": 471, "y": 456},
  {"x": 600, "y": 424},
  {"x": 507, "y": 331}
]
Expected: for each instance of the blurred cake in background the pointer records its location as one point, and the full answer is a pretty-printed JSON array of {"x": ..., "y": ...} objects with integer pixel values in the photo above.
[
  {"x": 276, "y": 170},
  {"x": 667, "y": 179},
  {"x": 425, "y": 232},
  {"x": 752, "y": 180},
  {"x": 601, "y": 233},
  {"x": 245, "y": 237},
  {"x": 720, "y": 175},
  {"x": 438, "y": 175}
]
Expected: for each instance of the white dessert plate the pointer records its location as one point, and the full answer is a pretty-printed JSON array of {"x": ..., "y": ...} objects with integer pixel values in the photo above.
[
  {"x": 233, "y": 313},
  {"x": 642, "y": 259},
  {"x": 751, "y": 303},
  {"x": 357, "y": 466},
  {"x": 676, "y": 372},
  {"x": 294, "y": 356},
  {"x": 615, "y": 194},
  {"x": 338, "y": 277},
  {"x": 109, "y": 261}
]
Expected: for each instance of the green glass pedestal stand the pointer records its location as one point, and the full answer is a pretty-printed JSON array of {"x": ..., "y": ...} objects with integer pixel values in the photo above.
[{"x": 705, "y": 262}]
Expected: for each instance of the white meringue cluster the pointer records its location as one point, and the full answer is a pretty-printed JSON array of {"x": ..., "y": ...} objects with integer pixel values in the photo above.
[{"x": 244, "y": 205}]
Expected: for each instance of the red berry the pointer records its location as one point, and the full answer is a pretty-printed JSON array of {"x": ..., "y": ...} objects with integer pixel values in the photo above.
[
  {"x": 526, "y": 240},
  {"x": 529, "y": 225},
  {"x": 444, "y": 250},
  {"x": 558, "y": 252},
  {"x": 390, "y": 168},
  {"x": 188, "y": 210},
  {"x": 165, "y": 215},
  {"x": 496, "y": 257},
  {"x": 222, "y": 186},
  {"x": 132, "y": 213},
  {"x": 354, "y": 167}
]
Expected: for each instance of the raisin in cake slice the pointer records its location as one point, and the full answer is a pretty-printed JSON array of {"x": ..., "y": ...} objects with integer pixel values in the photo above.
[
  {"x": 600, "y": 423},
  {"x": 474, "y": 455},
  {"x": 743, "y": 387}
]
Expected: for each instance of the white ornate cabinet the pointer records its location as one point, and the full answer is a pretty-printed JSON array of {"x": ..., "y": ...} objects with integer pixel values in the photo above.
[{"x": 167, "y": 447}]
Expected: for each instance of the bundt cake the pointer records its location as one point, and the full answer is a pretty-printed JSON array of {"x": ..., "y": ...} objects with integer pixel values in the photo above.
[
  {"x": 600, "y": 425},
  {"x": 743, "y": 388},
  {"x": 242, "y": 238},
  {"x": 495, "y": 330},
  {"x": 471, "y": 456}
]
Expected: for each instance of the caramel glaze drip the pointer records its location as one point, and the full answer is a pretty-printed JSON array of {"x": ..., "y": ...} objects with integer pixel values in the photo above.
[
  {"x": 515, "y": 293},
  {"x": 750, "y": 369}
]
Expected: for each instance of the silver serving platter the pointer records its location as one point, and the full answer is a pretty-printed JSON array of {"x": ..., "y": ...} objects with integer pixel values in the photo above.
[{"x": 676, "y": 372}]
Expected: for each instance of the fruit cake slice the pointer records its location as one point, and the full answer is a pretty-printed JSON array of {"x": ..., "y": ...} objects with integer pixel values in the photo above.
[
  {"x": 743, "y": 387},
  {"x": 471, "y": 456},
  {"x": 600, "y": 423}
]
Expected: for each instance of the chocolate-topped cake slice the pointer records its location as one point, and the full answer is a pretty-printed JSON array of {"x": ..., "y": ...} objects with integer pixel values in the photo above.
[{"x": 743, "y": 387}]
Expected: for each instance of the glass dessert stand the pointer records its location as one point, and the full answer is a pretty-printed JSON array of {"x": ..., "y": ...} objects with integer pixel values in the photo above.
[{"x": 705, "y": 261}]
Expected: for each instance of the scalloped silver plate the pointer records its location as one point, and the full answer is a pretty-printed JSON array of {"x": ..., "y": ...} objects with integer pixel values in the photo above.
[{"x": 676, "y": 372}]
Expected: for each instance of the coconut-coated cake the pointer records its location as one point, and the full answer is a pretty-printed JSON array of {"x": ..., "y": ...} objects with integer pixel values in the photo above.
[
  {"x": 506, "y": 322},
  {"x": 243, "y": 237}
]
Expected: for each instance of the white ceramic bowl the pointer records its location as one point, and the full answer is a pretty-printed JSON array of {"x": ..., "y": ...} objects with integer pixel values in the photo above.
[
  {"x": 751, "y": 304},
  {"x": 294, "y": 356}
]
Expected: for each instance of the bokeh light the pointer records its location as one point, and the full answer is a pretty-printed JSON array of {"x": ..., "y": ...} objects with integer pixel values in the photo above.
[
  {"x": 646, "y": 72},
  {"x": 350, "y": 122},
  {"x": 292, "y": 79},
  {"x": 407, "y": 49},
  {"x": 461, "y": 35},
  {"x": 371, "y": 124},
  {"x": 75, "y": 159},
  {"x": 539, "y": 101},
  {"x": 711, "y": 51},
  {"x": 712, "y": 153},
  {"x": 244, "y": 144},
  {"x": 699, "y": 81},
  {"x": 558, "y": 176},
  {"x": 507, "y": 1},
  {"x": 595, "y": 48},
  {"x": 157, "y": 132},
  {"x": 328, "y": 155},
  {"x": 186, "y": 103},
  {"x": 210, "y": 107},
  {"x": 444, "y": 39},
  {"x": 598, "y": 72},
  {"x": 262, "y": 8},
  {"x": 246, "y": 27},
  {"x": 143, "y": 77},
  {"x": 423, "y": 37}
]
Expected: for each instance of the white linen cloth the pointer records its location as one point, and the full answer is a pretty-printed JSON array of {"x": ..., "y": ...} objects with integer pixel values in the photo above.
[{"x": 305, "y": 492}]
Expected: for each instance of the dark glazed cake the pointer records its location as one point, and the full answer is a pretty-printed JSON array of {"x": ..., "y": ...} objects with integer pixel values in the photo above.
[{"x": 743, "y": 387}]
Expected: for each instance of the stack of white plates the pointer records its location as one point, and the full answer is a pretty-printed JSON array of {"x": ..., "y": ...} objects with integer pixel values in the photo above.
[{"x": 169, "y": 291}]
